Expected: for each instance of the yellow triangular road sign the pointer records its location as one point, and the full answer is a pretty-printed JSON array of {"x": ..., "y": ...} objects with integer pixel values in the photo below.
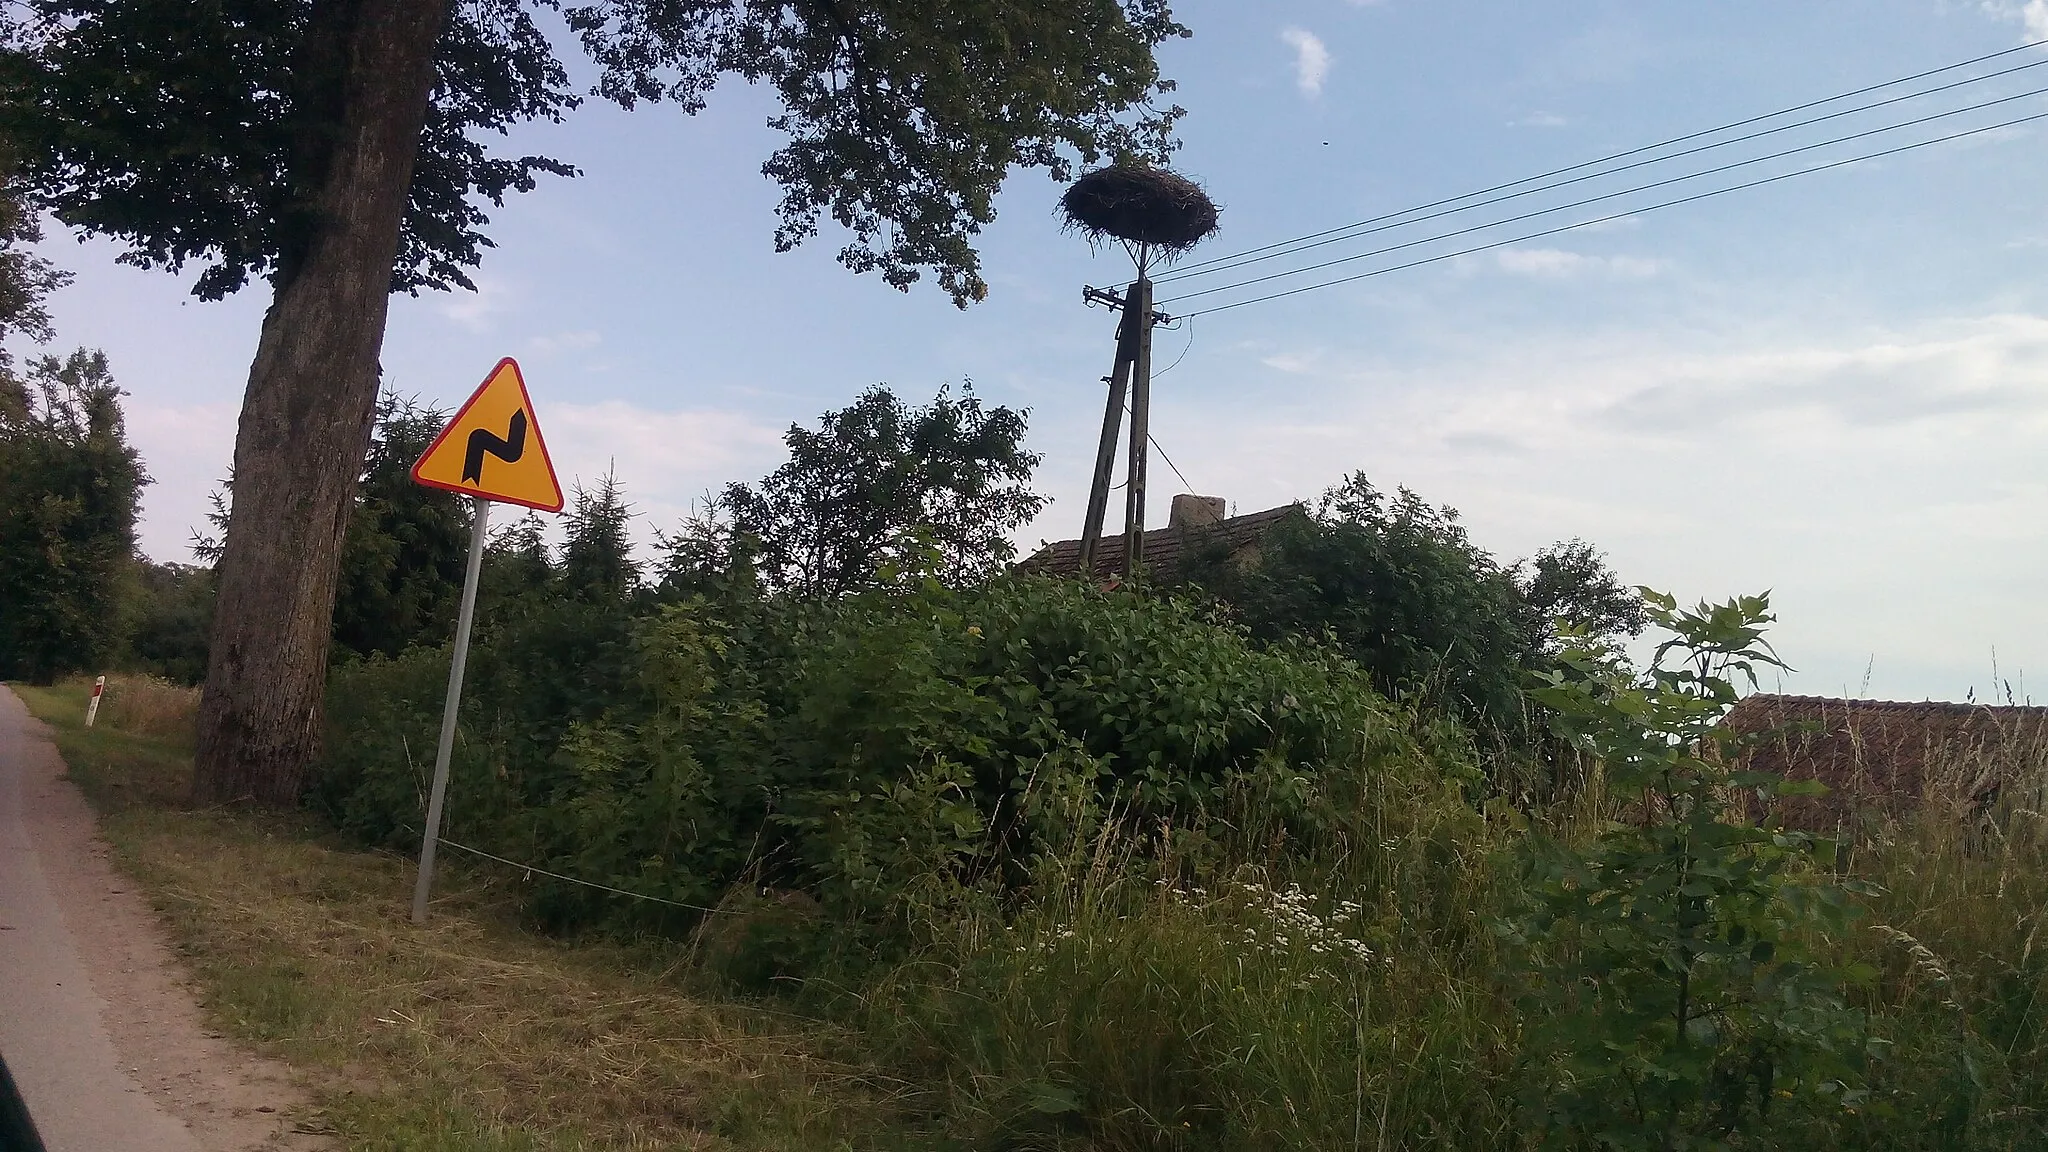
[{"x": 493, "y": 447}]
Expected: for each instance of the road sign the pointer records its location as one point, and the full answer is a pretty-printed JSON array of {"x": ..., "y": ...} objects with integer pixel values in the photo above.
[{"x": 493, "y": 448}]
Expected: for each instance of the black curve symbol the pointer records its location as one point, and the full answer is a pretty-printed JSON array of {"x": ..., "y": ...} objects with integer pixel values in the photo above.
[{"x": 509, "y": 449}]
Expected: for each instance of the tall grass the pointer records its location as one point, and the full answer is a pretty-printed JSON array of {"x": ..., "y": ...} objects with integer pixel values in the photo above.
[
  {"x": 1337, "y": 993},
  {"x": 144, "y": 705},
  {"x": 1956, "y": 936},
  {"x": 1346, "y": 993}
]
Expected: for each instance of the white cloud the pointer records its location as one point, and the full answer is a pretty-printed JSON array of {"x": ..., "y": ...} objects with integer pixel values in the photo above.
[
  {"x": 663, "y": 459},
  {"x": 1884, "y": 483},
  {"x": 1559, "y": 264},
  {"x": 1311, "y": 59},
  {"x": 1540, "y": 120},
  {"x": 563, "y": 342},
  {"x": 1292, "y": 363},
  {"x": 476, "y": 310},
  {"x": 2031, "y": 14}
]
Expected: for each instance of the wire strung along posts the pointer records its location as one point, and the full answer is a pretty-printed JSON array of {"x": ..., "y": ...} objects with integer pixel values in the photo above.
[{"x": 1157, "y": 215}]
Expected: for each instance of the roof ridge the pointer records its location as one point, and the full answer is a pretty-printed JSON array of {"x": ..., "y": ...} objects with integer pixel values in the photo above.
[{"x": 1889, "y": 705}]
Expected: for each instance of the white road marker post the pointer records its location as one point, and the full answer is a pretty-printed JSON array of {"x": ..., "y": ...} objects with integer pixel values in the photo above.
[
  {"x": 422, "y": 886},
  {"x": 92, "y": 707}
]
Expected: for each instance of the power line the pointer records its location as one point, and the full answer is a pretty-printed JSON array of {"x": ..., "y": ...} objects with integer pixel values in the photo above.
[
  {"x": 1183, "y": 354},
  {"x": 1617, "y": 216},
  {"x": 1624, "y": 154},
  {"x": 1644, "y": 188},
  {"x": 1356, "y": 231}
]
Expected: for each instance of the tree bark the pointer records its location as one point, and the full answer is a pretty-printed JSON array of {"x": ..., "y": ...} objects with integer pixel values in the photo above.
[{"x": 307, "y": 414}]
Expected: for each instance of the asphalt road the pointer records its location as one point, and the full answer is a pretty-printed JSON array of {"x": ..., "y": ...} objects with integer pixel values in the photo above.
[
  {"x": 51, "y": 1029},
  {"x": 97, "y": 1024}
]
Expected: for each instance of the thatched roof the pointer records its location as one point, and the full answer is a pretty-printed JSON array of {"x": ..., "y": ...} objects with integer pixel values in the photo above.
[{"x": 1888, "y": 756}]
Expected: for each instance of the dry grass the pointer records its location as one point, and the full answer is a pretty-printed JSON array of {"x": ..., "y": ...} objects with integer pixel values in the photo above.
[
  {"x": 148, "y": 706},
  {"x": 468, "y": 1032}
]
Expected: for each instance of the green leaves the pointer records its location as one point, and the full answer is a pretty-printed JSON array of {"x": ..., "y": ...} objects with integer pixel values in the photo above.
[
  {"x": 862, "y": 747},
  {"x": 1673, "y": 995},
  {"x": 877, "y": 481},
  {"x": 198, "y": 131},
  {"x": 902, "y": 118},
  {"x": 69, "y": 484}
]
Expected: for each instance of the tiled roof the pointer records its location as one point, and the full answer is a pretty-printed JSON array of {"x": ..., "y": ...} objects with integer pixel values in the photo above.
[
  {"x": 1166, "y": 549},
  {"x": 1885, "y": 754}
]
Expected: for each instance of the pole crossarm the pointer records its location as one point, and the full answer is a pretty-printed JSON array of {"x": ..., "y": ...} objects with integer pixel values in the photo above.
[{"x": 1114, "y": 300}]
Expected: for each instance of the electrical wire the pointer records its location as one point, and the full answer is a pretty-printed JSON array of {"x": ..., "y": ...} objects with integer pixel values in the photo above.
[
  {"x": 1729, "y": 167},
  {"x": 1744, "y": 123},
  {"x": 445, "y": 842},
  {"x": 1186, "y": 486},
  {"x": 1183, "y": 353},
  {"x": 1357, "y": 231},
  {"x": 1615, "y": 216}
]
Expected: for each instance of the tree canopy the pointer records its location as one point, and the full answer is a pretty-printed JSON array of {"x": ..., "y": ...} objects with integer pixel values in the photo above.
[
  {"x": 1397, "y": 584},
  {"x": 193, "y": 131},
  {"x": 402, "y": 561},
  {"x": 879, "y": 473},
  {"x": 199, "y": 130},
  {"x": 68, "y": 488},
  {"x": 26, "y": 279}
]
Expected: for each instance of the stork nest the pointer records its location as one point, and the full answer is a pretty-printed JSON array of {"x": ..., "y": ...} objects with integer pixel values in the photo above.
[{"x": 1151, "y": 206}]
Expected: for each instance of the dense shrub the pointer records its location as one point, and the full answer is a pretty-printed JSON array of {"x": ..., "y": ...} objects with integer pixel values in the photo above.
[
  {"x": 1144, "y": 882},
  {"x": 850, "y": 747}
]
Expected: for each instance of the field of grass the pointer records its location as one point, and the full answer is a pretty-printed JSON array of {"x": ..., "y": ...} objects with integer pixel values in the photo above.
[{"x": 467, "y": 1033}]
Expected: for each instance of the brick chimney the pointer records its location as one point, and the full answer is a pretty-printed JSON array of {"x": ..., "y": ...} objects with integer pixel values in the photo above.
[{"x": 1196, "y": 511}]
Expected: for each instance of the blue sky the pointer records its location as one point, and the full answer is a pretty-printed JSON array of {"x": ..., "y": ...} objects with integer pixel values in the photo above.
[{"x": 1835, "y": 388}]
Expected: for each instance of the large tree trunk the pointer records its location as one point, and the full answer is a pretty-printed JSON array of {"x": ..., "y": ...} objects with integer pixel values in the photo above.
[{"x": 306, "y": 416}]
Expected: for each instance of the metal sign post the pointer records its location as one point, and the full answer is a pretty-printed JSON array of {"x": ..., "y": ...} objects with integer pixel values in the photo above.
[{"x": 425, "y": 883}]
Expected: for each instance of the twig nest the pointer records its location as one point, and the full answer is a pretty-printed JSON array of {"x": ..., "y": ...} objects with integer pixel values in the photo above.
[{"x": 1142, "y": 206}]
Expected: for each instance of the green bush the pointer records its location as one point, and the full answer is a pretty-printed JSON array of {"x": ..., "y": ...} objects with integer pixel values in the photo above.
[
  {"x": 849, "y": 748},
  {"x": 1088, "y": 870}
]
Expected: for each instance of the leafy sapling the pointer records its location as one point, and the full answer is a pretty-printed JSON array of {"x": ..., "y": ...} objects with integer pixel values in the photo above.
[{"x": 1675, "y": 999}]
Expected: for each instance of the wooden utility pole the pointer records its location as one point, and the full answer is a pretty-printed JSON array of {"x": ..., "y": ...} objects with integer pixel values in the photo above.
[
  {"x": 1112, "y": 426},
  {"x": 1141, "y": 428},
  {"x": 1133, "y": 372}
]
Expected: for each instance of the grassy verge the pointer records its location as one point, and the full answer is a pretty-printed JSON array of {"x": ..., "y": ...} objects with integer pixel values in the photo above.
[
  {"x": 1320, "y": 999},
  {"x": 467, "y": 1033}
]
